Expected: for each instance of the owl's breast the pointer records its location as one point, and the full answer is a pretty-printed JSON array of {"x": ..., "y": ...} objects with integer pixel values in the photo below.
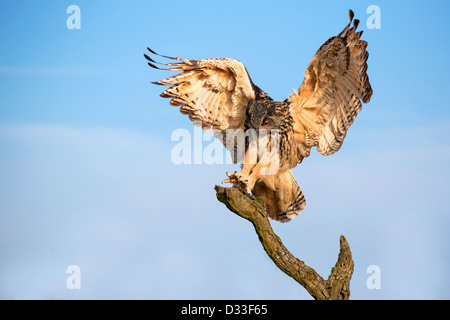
[
  {"x": 279, "y": 142},
  {"x": 288, "y": 151}
]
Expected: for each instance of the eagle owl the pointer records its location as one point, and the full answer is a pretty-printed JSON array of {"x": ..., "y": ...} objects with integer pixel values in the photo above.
[{"x": 219, "y": 95}]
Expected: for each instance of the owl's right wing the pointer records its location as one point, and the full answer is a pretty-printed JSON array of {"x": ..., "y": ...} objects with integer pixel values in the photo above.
[{"x": 212, "y": 92}]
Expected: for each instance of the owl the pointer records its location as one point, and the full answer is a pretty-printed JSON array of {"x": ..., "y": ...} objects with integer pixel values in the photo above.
[{"x": 269, "y": 138}]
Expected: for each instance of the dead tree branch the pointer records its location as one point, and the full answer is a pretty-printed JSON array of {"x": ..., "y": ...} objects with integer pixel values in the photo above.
[{"x": 336, "y": 287}]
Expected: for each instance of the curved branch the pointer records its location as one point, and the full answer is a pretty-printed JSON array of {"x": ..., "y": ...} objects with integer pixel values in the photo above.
[{"x": 336, "y": 287}]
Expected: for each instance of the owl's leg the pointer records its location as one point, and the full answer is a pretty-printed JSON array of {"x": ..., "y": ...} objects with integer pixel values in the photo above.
[
  {"x": 248, "y": 164},
  {"x": 250, "y": 173},
  {"x": 250, "y": 180},
  {"x": 241, "y": 179},
  {"x": 268, "y": 165},
  {"x": 246, "y": 172}
]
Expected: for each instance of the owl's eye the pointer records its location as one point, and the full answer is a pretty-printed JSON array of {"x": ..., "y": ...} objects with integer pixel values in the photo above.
[{"x": 264, "y": 123}]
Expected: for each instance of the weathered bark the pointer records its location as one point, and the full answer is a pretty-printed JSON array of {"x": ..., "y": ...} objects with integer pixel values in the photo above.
[{"x": 336, "y": 287}]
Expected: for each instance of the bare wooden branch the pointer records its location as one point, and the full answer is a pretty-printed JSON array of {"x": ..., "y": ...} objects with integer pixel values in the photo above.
[{"x": 336, "y": 287}]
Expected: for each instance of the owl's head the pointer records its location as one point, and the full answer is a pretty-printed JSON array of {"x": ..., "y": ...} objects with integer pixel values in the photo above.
[{"x": 265, "y": 114}]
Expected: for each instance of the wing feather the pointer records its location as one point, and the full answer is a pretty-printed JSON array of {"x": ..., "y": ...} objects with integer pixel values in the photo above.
[
  {"x": 214, "y": 92},
  {"x": 330, "y": 95}
]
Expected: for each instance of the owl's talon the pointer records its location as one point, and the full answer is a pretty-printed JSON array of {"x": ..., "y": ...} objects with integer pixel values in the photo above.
[
  {"x": 250, "y": 195},
  {"x": 229, "y": 181},
  {"x": 241, "y": 182}
]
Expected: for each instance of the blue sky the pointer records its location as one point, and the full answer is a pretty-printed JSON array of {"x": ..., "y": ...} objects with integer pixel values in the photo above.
[{"x": 86, "y": 176}]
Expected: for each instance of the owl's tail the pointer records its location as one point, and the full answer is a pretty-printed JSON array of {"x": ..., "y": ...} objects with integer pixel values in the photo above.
[
  {"x": 297, "y": 200},
  {"x": 282, "y": 196}
]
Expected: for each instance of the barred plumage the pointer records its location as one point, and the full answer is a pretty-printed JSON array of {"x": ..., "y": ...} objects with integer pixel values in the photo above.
[{"x": 219, "y": 95}]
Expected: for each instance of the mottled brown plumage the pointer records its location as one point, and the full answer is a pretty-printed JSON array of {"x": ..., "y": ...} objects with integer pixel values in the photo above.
[{"x": 219, "y": 95}]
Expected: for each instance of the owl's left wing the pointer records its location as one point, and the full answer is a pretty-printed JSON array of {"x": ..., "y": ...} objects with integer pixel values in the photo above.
[{"x": 330, "y": 95}]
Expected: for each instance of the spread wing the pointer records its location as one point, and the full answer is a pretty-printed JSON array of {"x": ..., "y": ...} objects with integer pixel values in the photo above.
[
  {"x": 330, "y": 96},
  {"x": 213, "y": 92}
]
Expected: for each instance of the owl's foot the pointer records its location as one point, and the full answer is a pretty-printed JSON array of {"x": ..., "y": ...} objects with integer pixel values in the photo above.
[
  {"x": 236, "y": 179},
  {"x": 241, "y": 182}
]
